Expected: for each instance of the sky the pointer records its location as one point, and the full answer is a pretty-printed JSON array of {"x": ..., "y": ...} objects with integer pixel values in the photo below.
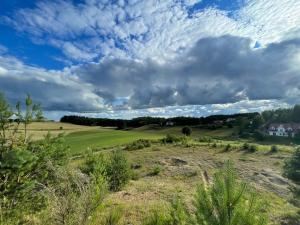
[{"x": 130, "y": 58}]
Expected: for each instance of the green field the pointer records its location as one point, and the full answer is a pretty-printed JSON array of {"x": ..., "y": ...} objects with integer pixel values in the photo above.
[{"x": 105, "y": 137}]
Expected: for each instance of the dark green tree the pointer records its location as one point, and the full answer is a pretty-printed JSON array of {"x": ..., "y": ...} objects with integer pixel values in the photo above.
[{"x": 187, "y": 131}]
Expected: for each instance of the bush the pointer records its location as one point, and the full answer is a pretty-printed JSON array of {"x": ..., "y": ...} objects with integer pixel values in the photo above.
[
  {"x": 73, "y": 198},
  {"x": 155, "y": 170},
  {"x": 117, "y": 170},
  {"x": 250, "y": 148},
  {"x": 253, "y": 148},
  {"x": 227, "y": 201},
  {"x": 187, "y": 131},
  {"x": 227, "y": 148},
  {"x": 246, "y": 146},
  {"x": 292, "y": 167},
  {"x": 214, "y": 145},
  {"x": 139, "y": 144},
  {"x": 114, "y": 217},
  {"x": 171, "y": 139},
  {"x": 274, "y": 149}
]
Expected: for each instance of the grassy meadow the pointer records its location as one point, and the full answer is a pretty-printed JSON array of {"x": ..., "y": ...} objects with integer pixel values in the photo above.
[{"x": 162, "y": 170}]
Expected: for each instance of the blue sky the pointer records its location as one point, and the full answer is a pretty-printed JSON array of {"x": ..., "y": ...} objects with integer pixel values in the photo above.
[{"x": 150, "y": 57}]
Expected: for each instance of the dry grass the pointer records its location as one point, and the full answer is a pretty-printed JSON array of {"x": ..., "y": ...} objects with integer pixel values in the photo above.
[
  {"x": 38, "y": 130},
  {"x": 182, "y": 171}
]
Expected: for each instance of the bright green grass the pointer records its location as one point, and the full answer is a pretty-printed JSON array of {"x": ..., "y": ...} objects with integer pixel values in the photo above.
[{"x": 104, "y": 137}]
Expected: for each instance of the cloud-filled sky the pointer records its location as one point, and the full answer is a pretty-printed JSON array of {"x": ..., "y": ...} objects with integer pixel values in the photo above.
[{"x": 128, "y": 58}]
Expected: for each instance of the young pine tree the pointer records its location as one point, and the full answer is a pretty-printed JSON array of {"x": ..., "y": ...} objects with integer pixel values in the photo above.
[{"x": 227, "y": 202}]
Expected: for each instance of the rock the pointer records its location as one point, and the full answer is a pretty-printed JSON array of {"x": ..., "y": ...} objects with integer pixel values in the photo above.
[{"x": 178, "y": 162}]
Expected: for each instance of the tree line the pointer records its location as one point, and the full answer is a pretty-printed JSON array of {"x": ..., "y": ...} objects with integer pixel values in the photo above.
[{"x": 142, "y": 121}]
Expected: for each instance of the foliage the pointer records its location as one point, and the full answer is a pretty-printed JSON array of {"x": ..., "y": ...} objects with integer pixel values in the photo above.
[
  {"x": 72, "y": 198},
  {"x": 138, "y": 144},
  {"x": 253, "y": 148},
  {"x": 292, "y": 166},
  {"x": 171, "y": 139},
  {"x": 187, "y": 131},
  {"x": 246, "y": 146},
  {"x": 158, "y": 217},
  {"x": 114, "y": 217},
  {"x": 117, "y": 170},
  {"x": 227, "y": 148},
  {"x": 283, "y": 115},
  {"x": 155, "y": 170},
  {"x": 292, "y": 171},
  {"x": 274, "y": 149},
  {"x": 227, "y": 202},
  {"x": 179, "y": 214}
]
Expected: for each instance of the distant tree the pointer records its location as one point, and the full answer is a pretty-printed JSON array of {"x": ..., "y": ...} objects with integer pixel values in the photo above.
[
  {"x": 187, "y": 131},
  {"x": 257, "y": 122},
  {"x": 297, "y": 136}
]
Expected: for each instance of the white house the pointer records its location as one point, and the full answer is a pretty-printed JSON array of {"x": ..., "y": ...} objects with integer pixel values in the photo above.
[
  {"x": 283, "y": 129},
  {"x": 170, "y": 123}
]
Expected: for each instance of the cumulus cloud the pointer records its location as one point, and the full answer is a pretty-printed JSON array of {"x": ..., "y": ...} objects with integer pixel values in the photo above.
[
  {"x": 53, "y": 89},
  {"x": 150, "y": 29},
  {"x": 144, "y": 54}
]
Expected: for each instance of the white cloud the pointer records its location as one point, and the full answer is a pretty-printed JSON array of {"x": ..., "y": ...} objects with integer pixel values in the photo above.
[{"x": 151, "y": 29}]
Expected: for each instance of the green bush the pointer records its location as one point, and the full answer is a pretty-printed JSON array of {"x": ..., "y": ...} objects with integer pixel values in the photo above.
[
  {"x": 274, "y": 149},
  {"x": 114, "y": 217},
  {"x": 246, "y": 146},
  {"x": 158, "y": 217},
  {"x": 227, "y": 201},
  {"x": 171, "y": 139},
  {"x": 117, "y": 170},
  {"x": 139, "y": 144},
  {"x": 214, "y": 145},
  {"x": 227, "y": 148},
  {"x": 187, "y": 131},
  {"x": 292, "y": 167},
  {"x": 253, "y": 148},
  {"x": 155, "y": 170}
]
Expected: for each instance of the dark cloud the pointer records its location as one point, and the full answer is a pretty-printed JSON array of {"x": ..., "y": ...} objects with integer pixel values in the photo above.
[{"x": 216, "y": 70}]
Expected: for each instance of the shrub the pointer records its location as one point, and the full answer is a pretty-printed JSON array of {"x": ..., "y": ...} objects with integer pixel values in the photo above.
[
  {"x": 158, "y": 217},
  {"x": 274, "y": 149},
  {"x": 114, "y": 217},
  {"x": 227, "y": 201},
  {"x": 246, "y": 146},
  {"x": 73, "y": 198},
  {"x": 155, "y": 170},
  {"x": 94, "y": 164},
  {"x": 292, "y": 167},
  {"x": 139, "y": 144},
  {"x": 253, "y": 148},
  {"x": 187, "y": 131},
  {"x": 227, "y": 148},
  {"x": 117, "y": 170},
  {"x": 214, "y": 145},
  {"x": 171, "y": 139}
]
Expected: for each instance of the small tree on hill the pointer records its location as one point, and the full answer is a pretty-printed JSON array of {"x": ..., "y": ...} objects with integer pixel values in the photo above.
[{"x": 187, "y": 131}]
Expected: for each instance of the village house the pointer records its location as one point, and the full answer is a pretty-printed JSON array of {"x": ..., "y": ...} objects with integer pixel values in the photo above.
[
  {"x": 170, "y": 123},
  {"x": 283, "y": 129}
]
